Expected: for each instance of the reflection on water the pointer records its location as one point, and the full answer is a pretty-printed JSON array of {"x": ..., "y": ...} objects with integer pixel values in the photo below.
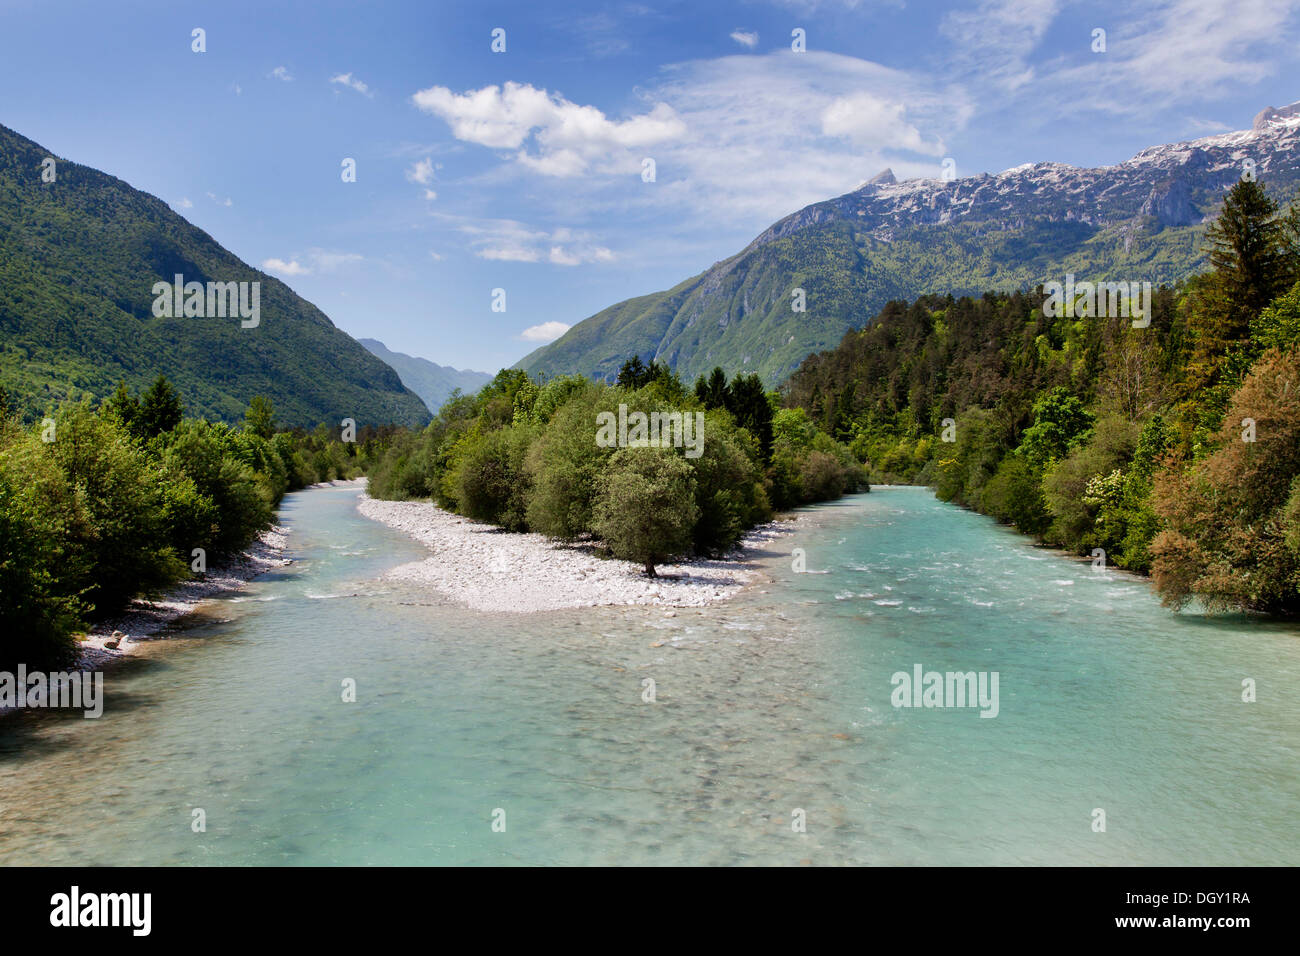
[{"x": 776, "y": 702}]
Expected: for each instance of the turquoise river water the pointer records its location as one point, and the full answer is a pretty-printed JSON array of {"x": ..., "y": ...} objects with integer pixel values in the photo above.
[{"x": 776, "y": 702}]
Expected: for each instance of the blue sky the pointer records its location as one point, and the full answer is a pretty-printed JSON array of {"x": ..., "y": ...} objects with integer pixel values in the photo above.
[{"x": 522, "y": 170}]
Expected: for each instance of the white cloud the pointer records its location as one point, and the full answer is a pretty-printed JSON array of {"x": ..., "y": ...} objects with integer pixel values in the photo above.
[
  {"x": 421, "y": 172},
  {"x": 866, "y": 118},
  {"x": 281, "y": 73},
  {"x": 551, "y": 135},
  {"x": 430, "y": 194},
  {"x": 546, "y": 332},
  {"x": 291, "y": 268},
  {"x": 184, "y": 203},
  {"x": 227, "y": 202},
  {"x": 746, "y": 38},
  {"x": 353, "y": 83}
]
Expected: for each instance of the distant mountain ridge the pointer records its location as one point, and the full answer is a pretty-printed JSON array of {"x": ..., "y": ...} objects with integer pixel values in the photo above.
[
  {"x": 79, "y": 257},
  {"x": 1139, "y": 220},
  {"x": 434, "y": 383}
]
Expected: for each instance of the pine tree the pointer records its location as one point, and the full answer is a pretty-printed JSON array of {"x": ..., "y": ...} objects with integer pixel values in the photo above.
[
  {"x": 160, "y": 410},
  {"x": 123, "y": 406},
  {"x": 713, "y": 392},
  {"x": 748, "y": 404},
  {"x": 1247, "y": 256}
]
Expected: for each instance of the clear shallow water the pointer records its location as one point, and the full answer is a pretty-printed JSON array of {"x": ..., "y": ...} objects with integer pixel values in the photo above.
[{"x": 776, "y": 701}]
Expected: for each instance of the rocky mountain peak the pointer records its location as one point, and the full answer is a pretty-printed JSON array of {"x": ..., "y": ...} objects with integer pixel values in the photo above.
[{"x": 1270, "y": 115}]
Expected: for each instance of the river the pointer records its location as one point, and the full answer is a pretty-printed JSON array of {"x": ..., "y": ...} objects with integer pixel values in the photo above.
[{"x": 769, "y": 712}]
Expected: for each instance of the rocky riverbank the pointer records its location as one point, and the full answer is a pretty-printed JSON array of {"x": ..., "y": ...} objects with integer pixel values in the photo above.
[
  {"x": 488, "y": 569},
  {"x": 112, "y": 639}
]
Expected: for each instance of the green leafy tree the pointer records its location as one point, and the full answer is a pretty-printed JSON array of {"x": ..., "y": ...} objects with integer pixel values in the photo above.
[
  {"x": 259, "y": 420},
  {"x": 493, "y": 483},
  {"x": 729, "y": 492},
  {"x": 645, "y": 506},
  {"x": 1060, "y": 420},
  {"x": 565, "y": 464}
]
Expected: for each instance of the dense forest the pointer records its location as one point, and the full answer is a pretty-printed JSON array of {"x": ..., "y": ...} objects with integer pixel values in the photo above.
[
  {"x": 1171, "y": 448},
  {"x": 99, "y": 505},
  {"x": 526, "y": 455}
]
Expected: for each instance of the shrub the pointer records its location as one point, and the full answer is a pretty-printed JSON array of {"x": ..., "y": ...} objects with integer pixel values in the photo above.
[{"x": 492, "y": 482}]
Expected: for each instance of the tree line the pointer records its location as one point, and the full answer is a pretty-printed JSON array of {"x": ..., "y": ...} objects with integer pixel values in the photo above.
[
  {"x": 102, "y": 504},
  {"x": 1171, "y": 449}
]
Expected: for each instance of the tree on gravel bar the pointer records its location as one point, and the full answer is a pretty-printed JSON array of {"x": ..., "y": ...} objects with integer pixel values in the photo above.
[{"x": 645, "y": 505}]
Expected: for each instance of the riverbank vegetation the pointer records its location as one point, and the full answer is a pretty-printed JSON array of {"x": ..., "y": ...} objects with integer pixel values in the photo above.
[
  {"x": 525, "y": 456},
  {"x": 1171, "y": 449},
  {"x": 101, "y": 504}
]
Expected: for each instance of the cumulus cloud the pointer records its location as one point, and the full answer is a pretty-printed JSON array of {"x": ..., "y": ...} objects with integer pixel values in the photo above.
[
  {"x": 281, "y": 73},
  {"x": 546, "y": 332},
  {"x": 280, "y": 267},
  {"x": 746, "y": 38},
  {"x": 352, "y": 83},
  {"x": 184, "y": 203},
  {"x": 549, "y": 134},
  {"x": 866, "y": 118}
]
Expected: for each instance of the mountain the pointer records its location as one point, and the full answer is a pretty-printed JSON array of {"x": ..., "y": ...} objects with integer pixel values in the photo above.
[
  {"x": 432, "y": 382},
  {"x": 1138, "y": 221},
  {"x": 79, "y": 258}
]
